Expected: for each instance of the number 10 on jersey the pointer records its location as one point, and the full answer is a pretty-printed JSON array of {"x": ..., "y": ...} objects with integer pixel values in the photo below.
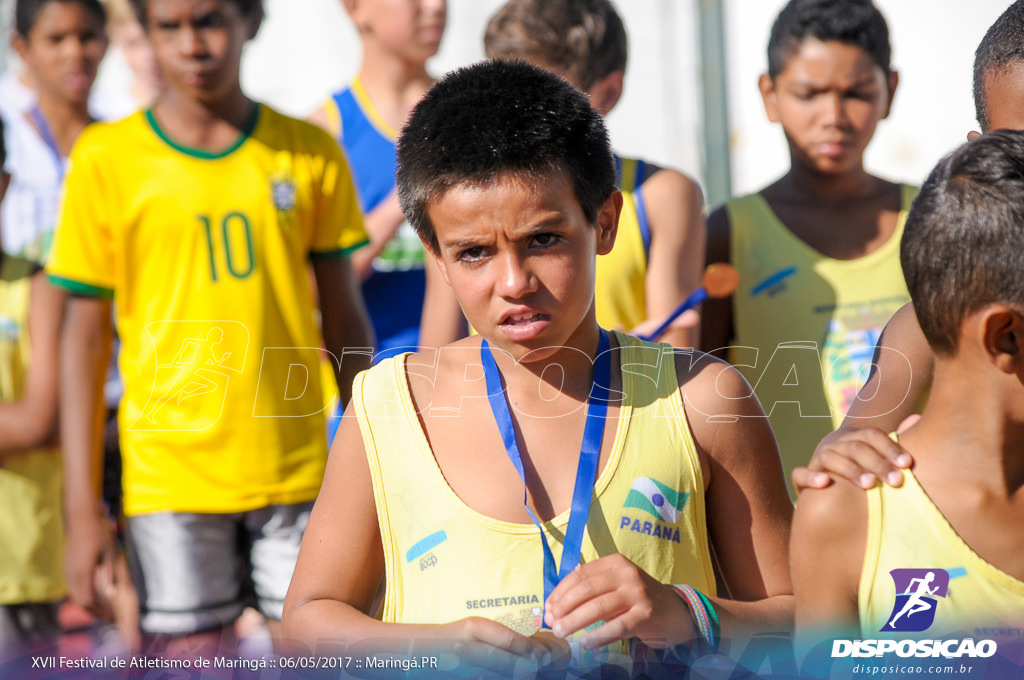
[{"x": 225, "y": 242}]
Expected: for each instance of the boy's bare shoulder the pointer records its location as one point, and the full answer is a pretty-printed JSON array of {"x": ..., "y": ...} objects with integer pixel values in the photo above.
[
  {"x": 834, "y": 516},
  {"x": 712, "y": 386}
]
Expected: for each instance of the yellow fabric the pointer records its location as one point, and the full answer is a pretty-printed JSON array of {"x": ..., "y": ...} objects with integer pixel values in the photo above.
[
  {"x": 805, "y": 341},
  {"x": 31, "y": 522},
  {"x": 907, "y": 530},
  {"x": 207, "y": 257},
  {"x": 366, "y": 104},
  {"x": 620, "y": 284},
  {"x": 444, "y": 561}
]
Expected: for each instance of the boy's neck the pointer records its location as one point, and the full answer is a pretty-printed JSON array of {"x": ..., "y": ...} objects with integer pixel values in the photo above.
[
  {"x": 65, "y": 119},
  {"x": 394, "y": 85},
  {"x": 855, "y": 184},
  {"x": 567, "y": 370},
  {"x": 972, "y": 434},
  {"x": 202, "y": 125}
]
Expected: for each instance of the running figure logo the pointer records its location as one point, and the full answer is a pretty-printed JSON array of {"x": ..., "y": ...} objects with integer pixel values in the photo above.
[
  {"x": 189, "y": 389},
  {"x": 916, "y": 593}
]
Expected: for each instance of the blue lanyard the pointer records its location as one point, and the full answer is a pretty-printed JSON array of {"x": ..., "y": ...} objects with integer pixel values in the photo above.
[
  {"x": 586, "y": 471},
  {"x": 49, "y": 140}
]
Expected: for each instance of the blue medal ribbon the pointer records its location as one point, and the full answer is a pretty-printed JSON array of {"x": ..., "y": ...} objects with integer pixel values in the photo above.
[
  {"x": 586, "y": 471},
  {"x": 44, "y": 131}
]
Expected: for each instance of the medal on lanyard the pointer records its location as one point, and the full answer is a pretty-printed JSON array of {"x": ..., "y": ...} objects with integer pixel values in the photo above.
[
  {"x": 49, "y": 140},
  {"x": 586, "y": 471}
]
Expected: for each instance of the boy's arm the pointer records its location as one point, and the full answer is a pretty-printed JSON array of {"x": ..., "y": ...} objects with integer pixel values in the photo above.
[
  {"x": 31, "y": 422},
  {"x": 861, "y": 450},
  {"x": 345, "y": 323},
  {"x": 381, "y": 225},
  {"x": 341, "y": 564},
  {"x": 716, "y": 326},
  {"x": 85, "y": 341},
  {"x": 442, "y": 322},
  {"x": 675, "y": 211},
  {"x": 747, "y": 506},
  {"x": 827, "y": 554}
]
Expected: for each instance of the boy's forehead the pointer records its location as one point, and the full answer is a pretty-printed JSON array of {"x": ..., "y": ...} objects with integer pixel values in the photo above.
[
  {"x": 812, "y": 54},
  {"x": 1004, "y": 97},
  {"x": 497, "y": 196}
]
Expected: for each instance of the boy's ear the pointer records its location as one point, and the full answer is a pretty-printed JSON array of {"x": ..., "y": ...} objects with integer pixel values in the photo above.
[
  {"x": 1002, "y": 330},
  {"x": 19, "y": 45},
  {"x": 972, "y": 135},
  {"x": 608, "y": 222},
  {"x": 255, "y": 21},
  {"x": 605, "y": 94},
  {"x": 768, "y": 96},
  {"x": 894, "y": 81}
]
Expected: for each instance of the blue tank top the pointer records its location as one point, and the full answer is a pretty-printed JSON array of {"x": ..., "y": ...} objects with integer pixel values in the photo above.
[{"x": 394, "y": 291}]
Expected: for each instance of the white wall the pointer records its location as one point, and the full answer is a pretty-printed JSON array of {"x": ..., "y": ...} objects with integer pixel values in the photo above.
[{"x": 307, "y": 48}]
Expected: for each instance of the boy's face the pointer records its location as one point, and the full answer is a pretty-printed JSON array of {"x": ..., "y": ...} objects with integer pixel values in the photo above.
[
  {"x": 520, "y": 256},
  {"x": 63, "y": 50},
  {"x": 829, "y": 98},
  {"x": 1004, "y": 97},
  {"x": 131, "y": 40},
  {"x": 198, "y": 45},
  {"x": 411, "y": 28}
]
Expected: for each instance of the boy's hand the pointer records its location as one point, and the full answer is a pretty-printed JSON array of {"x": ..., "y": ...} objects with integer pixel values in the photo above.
[
  {"x": 628, "y": 601},
  {"x": 861, "y": 456},
  {"x": 490, "y": 646},
  {"x": 90, "y": 554}
]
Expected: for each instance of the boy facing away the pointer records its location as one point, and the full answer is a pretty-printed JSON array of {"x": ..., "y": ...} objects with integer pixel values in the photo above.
[
  {"x": 903, "y": 363},
  {"x": 817, "y": 251},
  {"x": 955, "y": 520},
  {"x": 397, "y": 38},
  {"x": 506, "y": 173},
  {"x": 659, "y": 249},
  {"x": 199, "y": 217}
]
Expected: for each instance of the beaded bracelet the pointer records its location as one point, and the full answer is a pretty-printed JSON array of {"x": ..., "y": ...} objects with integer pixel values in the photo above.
[{"x": 704, "y": 615}]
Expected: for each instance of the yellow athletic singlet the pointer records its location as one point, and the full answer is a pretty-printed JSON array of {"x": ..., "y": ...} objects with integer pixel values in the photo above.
[
  {"x": 31, "y": 521},
  {"x": 444, "y": 561},
  {"x": 619, "y": 288},
  {"x": 806, "y": 325},
  {"x": 907, "y": 531}
]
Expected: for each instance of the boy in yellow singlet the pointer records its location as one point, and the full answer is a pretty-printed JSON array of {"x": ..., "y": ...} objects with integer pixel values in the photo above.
[
  {"x": 200, "y": 218},
  {"x": 31, "y": 519},
  {"x": 941, "y": 557},
  {"x": 658, "y": 255},
  {"x": 817, "y": 251},
  {"x": 448, "y": 461},
  {"x": 903, "y": 364}
]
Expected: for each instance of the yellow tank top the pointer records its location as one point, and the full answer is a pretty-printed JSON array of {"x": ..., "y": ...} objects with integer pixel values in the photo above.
[
  {"x": 906, "y": 530},
  {"x": 31, "y": 521},
  {"x": 806, "y": 325},
  {"x": 444, "y": 561},
  {"x": 619, "y": 288}
]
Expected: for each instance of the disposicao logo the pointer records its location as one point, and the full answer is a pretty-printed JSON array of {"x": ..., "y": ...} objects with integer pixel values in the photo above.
[
  {"x": 916, "y": 593},
  {"x": 917, "y": 599}
]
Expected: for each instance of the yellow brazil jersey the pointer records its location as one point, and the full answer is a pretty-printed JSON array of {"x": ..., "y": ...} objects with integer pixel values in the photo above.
[
  {"x": 806, "y": 325},
  {"x": 909, "y": 536},
  {"x": 445, "y": 561},
  {"x": 31, "y": 521},
  {"x": 206, "y": 256},
  {"x": 620, "y": 282}
]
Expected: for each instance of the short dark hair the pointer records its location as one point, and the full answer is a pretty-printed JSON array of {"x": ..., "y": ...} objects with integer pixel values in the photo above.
[
  {"x": 853, "y": 22},
  {"x": 26, "y": 13},
  {"x": 1002, "y": 45},
  {"x": 249, "y": 8},
  {"x": 498, "y": 118},
  {"x": 963, "y": 243},
  {"x": 583, "y": 39}
]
